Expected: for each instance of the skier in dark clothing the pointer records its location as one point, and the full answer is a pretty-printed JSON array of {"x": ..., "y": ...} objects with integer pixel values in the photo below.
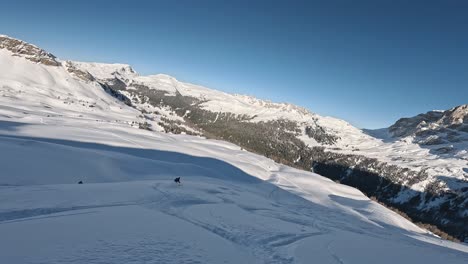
[{"x": 177, "y": 180}]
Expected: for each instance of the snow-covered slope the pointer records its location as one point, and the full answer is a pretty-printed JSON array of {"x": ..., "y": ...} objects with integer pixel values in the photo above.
[
  {"x": 58, "y": 126},
  {"x": 233, "y": 206},
  {"x": 45, "y": 90}
]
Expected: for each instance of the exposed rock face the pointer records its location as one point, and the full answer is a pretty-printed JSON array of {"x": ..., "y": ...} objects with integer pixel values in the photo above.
[
  {"x": 407, "y": 126},
  {"x": 443, "y": 132},
  {"x": 428, "y": 124},
  {"x": 82, "y": 74},
  {"x": 456, "y": 116},
  {"x": 115, "y": 93},
  {"x": 28, "y": 51}
]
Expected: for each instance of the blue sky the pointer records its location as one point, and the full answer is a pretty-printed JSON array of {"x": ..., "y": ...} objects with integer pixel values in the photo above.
[{"x": 368, "y": 62}]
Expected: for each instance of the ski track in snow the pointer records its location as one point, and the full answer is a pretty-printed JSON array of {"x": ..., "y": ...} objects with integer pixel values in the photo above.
[
  {"x": 269, "y": 243},
  {"x": 333, "y": 254}
]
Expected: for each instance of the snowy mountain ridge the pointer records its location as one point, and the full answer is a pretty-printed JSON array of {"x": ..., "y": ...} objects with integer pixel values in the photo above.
[
  {"x": 450, "y": 121},
  {"x": 349, "y": 139},
  {"x": 28, "y": 51},
  {"x": 215, "y": 101}
]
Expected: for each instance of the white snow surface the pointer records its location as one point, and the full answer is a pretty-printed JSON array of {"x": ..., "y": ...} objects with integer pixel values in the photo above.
[{"x": 232, "y": 207}]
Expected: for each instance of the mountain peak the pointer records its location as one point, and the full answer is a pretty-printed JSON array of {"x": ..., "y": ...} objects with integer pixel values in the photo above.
[
  {"x": 28, "y": 51},
  {"x": 454, "y": 119},
  {"x": 458, "y": 115},
  {"x": 106, "y": 70}
]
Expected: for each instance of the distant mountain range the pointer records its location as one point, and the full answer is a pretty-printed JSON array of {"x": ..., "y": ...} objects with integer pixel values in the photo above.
[{"x": 418, "y": 165}]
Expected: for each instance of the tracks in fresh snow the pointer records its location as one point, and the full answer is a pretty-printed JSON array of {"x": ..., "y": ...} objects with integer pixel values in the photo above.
[
  {"x": 38, "y": 213},
  {"x": 333, "y": 254},
  {"x": 287, "y": 239},
  {"x": 258, "y": 237}
]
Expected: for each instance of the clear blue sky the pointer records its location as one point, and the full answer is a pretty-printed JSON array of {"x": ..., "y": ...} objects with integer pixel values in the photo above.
[{"x": 368, "y": 62}]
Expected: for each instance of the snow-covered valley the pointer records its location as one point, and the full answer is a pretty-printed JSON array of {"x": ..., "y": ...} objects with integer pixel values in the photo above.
[{"x": 233, "y": 206}]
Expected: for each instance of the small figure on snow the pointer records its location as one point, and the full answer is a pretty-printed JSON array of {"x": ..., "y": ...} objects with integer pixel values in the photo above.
[
  {"x": 80, "y": 182},
  {"x": 177, "y": 180}
]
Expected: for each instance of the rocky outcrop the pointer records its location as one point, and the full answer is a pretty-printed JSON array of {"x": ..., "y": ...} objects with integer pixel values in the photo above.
[
  {"x": 28, "y": 51},
  {"x": 116, "y": 94},
  {"x": 83, "y": 75},
  {"x": 432, "y": 123},
  {"x": 443, "y": 132}
]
